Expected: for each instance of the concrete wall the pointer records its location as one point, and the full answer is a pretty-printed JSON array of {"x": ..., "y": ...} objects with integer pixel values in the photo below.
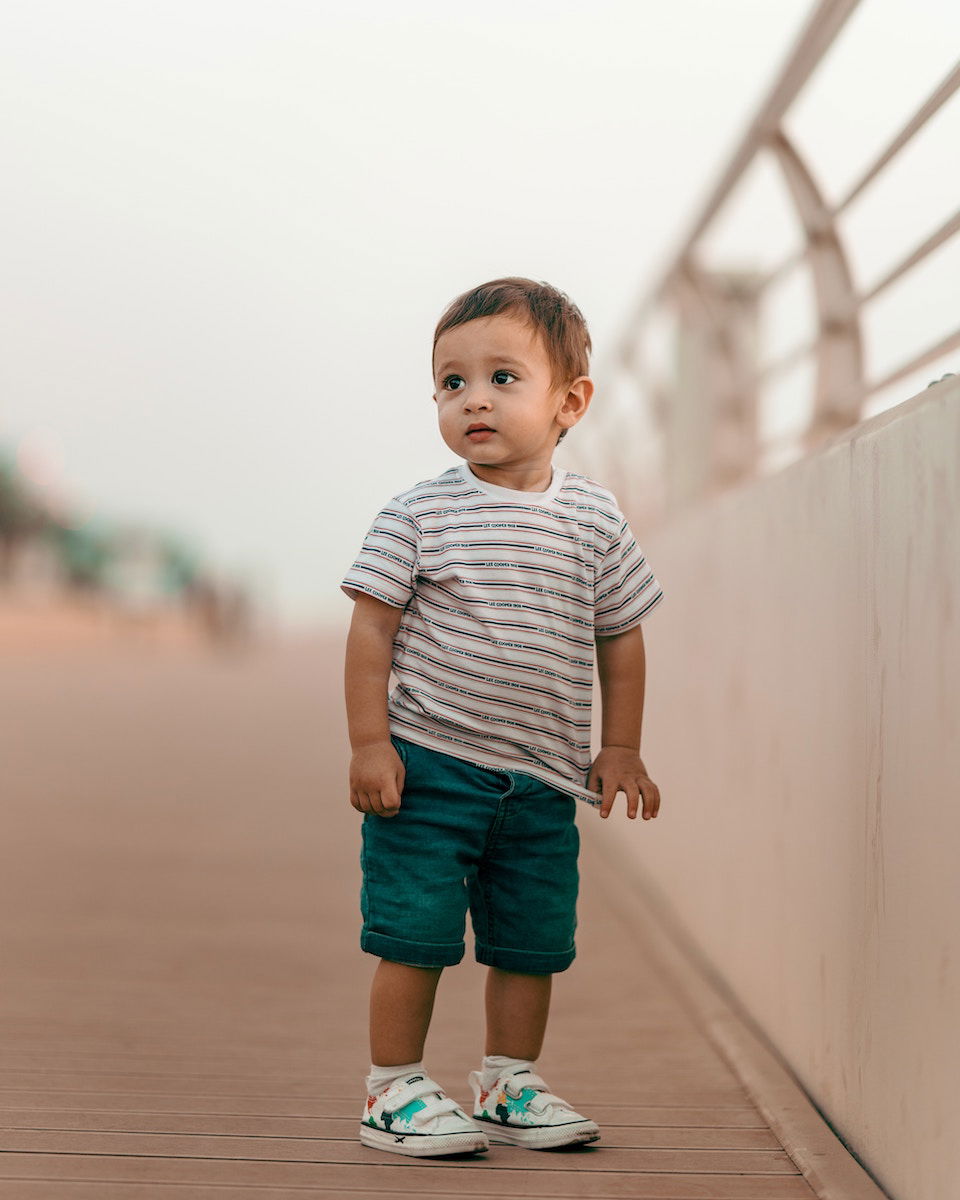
[{"x": 803, "y": 724}]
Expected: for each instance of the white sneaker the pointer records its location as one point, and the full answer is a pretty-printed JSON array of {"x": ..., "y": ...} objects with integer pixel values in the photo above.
[
  {"x": 414, "y": 1116},
  {"x": 521, "y": 1109}
]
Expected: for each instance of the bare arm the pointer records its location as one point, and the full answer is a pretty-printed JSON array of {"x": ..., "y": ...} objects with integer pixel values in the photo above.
[
  {"x": 621, "y": 665},
  {"x": 376, "y": 772}
]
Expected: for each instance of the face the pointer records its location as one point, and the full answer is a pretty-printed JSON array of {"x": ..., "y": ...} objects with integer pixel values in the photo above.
[{"x": 496, "y": 403}]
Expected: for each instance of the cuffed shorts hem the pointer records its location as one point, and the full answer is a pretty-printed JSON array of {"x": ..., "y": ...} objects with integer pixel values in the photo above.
[
  {"x": 412, "y": 954},
  {"x": 526, "y": 962}
]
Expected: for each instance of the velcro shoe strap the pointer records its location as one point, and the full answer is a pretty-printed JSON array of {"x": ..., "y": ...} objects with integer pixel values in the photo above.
[
  {"x": 516, "y": 1083},
  {"x": 415, "y": 1091},
  {"x": 544, "y": 1098}
]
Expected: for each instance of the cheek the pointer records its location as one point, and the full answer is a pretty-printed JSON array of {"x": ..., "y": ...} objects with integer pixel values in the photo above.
[{"x": 446, "y": 421}]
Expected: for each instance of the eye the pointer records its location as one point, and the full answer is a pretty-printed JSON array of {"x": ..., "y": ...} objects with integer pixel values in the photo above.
[
  {"x": 446, "y": 384},
  {"x": 496, "y": 373}
]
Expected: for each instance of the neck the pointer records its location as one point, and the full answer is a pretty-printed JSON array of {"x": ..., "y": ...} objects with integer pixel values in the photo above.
[{"x": 517, "y": 479}]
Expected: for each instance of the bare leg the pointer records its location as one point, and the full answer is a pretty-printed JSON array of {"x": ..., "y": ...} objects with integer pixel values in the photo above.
[
  {"x": 401, "y": 1005},
  {"x": 517, "y": 1010}
]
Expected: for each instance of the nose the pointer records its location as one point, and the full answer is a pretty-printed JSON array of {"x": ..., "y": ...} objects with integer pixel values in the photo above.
[{"x": 476, "y": 399}]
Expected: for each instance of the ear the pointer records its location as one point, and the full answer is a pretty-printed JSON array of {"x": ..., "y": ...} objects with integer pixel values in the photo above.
[{"x": 576, "y": 401}]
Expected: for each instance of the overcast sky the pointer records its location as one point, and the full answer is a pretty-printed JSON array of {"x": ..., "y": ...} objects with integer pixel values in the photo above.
[{"x": 229, "y": 227}]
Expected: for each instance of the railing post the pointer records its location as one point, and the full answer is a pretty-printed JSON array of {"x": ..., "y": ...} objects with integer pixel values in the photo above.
[
  {"x": 840, "y": 381},
  {"x": 710, "y": 425}
]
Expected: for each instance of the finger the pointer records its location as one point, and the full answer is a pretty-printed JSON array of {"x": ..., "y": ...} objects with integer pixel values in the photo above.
[
  {"x": 389, "y": 801},
  {"x": 598, "y": 788},
  {"x": 609, "y": 795},
  {"x": 392, "y": 795},
  {"x": 649, "y": 792},
  {"x": 355, "y": 800},
  {"x": 652, "y": 802},
  {"x": 364, "y": 800},
  {"x": 593, "y": 780},
  {"x": 633, "y": 799}
]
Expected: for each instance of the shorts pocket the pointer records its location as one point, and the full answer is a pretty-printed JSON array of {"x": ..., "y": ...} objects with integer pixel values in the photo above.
[{"x": 401, "y": 748}]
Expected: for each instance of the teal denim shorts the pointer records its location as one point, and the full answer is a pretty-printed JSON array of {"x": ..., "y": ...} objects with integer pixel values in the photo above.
[{"x": 499, "y": 843}]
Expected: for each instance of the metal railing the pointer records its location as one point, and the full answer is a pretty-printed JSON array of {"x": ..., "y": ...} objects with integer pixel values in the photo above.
[{"x": 704, "y": 412}]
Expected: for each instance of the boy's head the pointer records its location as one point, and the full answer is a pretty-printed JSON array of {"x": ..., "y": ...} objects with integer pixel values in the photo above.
[
  {"x": 549, "y": 313},
  {"x": 510, "y": 363}
]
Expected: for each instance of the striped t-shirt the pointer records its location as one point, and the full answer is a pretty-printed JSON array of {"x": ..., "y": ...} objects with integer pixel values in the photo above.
[{"x": 503, "y": 592}]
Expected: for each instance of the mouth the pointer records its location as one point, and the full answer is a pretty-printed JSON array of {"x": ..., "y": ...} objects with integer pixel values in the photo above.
[{"x": 479, "y": 433}]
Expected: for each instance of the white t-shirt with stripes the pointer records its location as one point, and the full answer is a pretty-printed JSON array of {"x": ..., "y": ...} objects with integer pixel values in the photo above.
[{"x": 502, "y": 593}]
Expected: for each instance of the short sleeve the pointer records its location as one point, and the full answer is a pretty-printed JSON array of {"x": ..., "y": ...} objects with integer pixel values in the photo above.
[
  {"x": 386, "y": 566},
  {"x": 626, "y": 589}
]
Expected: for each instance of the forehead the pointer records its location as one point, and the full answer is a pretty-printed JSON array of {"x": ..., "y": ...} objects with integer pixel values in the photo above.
[{"x": 502, "y": 336}]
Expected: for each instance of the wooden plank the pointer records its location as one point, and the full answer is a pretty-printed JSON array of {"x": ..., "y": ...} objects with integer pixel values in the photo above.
[
  {"x": 345, "y": 1128},
  {"x": 104, "y": 1190},
  {"x": 737, "y": 1117},
  {"x": 653, "y": 1090},
  {"x": 408, "y": 1177},
  {"x": 740, "y": 1162},
  {"x": 65, "y": 1189}
]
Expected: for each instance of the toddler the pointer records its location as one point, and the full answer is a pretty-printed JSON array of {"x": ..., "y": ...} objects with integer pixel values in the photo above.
[{"x": 488, "y": 592}]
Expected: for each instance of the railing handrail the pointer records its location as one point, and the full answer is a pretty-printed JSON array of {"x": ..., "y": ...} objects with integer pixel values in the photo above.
[
  {"x": 822, "y": 28},
  {"x": 710, "y": 307}
]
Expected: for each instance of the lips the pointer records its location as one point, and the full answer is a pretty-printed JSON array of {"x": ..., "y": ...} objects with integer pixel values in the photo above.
[
  {"x": 476, "y": 428},
  {"x": 479, "y": 433}
]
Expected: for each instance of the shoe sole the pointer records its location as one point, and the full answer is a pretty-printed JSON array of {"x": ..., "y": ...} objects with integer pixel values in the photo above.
[
  {"x": 543, "y": 1137},
  {"x": 424, "y": 1145}
]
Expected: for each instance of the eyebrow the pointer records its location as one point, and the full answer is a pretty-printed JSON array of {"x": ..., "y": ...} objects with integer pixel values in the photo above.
[{"x": 503, "y": 360}]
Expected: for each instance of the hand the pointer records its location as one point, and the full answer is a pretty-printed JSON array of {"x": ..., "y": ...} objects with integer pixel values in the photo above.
[
  {"x": 620, "y": 769},
  {"x": 376, "y": 779}
]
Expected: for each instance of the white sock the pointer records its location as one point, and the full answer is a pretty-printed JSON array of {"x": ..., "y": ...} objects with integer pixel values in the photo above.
[
  {"x": 494, "y": 1065},
  {"x": 381, "y": 1077}
]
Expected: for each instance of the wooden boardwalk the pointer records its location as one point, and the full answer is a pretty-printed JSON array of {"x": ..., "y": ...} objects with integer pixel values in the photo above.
[{"x": 184, "y": 1002}]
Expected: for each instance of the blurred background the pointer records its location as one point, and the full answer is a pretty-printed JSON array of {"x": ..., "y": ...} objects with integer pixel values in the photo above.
[{"x": 228, "y": 230}]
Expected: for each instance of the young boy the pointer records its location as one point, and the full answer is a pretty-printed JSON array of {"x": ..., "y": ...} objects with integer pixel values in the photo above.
[{"x": 485, "y": 591}]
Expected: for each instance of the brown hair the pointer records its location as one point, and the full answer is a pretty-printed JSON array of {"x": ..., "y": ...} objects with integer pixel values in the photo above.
[{"x": 547, "y": 311}]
